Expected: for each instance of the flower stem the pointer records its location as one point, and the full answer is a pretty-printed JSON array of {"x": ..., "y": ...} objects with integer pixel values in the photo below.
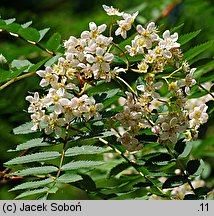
[
  {"x": 132, "y": 90},
  {"x": 16, "y": 79},
  {"x": 127, "y": 59},
  {"x": 205, "y": 90},
  {"x": 170, "y": 75}
]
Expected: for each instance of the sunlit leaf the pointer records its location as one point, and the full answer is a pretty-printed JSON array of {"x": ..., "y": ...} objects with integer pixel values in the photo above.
[
  {"x": 24, "y": 128},
  {"x": 38, "y": 142},
  {"x": 81, "y": 164},
  {"x": 41, "y": 156},
  {"x": 32, "y": 184},
  {"x": 69, "y": 177},
  {"x": 36, "y": 171},
  {"x": 78, "y": 150},
  {"x": 32, "y": 192}
]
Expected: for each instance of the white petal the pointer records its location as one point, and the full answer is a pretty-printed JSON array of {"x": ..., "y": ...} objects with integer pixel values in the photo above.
[
  {"x": 167, "y": 54},
  {"x": 36, "y": 96},
  {"x": 58, "y": 109},
  {"x": 35, "y": 127},
  {"x": 64, "y": 101},
  {"x": 48, "y": 130},
  {"x": 173, "y": 121},
  {"x": 102, "y": 28},
  {"x": 140, "y": 29},
  {"x": 118, "y": 31},
  {"x": 92, "y": 26},
  {"x": 165, "y": 126},
  {"x": 85, "y": 34},
  {"x": 187, "y": 90},
  {"x": 108, "y": 57},
  {"x": 58, "y": 131},
  {"x": 166, "y": 34},
  {"x": 174, "y": 36},
  {"x": 29, "y": 98},
  {"x": 158, "y": 85},
  {"x": 173, "y": 138},
  {"x": 44, "y": 83},
  {"x": 41, "y": 73},
  {"x": 90, "y": 58},
  {"x": 150, "y": 26},
  {"x": 141, "y": 88},
  {"x": 99, "y": 51}
]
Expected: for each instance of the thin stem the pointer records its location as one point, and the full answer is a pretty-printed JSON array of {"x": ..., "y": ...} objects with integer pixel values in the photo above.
[
  {"x": 83, "y": 90},
  {"x": 127, "y": 59},
  {"x": 205, "y": 90},
  {"x": 132, "y": 90},
  {"x": 170, "y": 75},
  {"x": 33, "y": 43},
  {"x": 181, "y": 167},
  {"x": 62, "y": 158},
  {"x": 16, "y": 79},
  {"x": 134, "y": 165}
]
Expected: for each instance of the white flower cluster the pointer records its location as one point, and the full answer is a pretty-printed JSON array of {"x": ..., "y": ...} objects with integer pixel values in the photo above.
[
  {"x": 89, "y": 55},
  {"x": 132, "y": 120},
  {"x": 157, "y": 52},
  {"x": 89, "y": 59},
  {"x": 58, "y": 108}
]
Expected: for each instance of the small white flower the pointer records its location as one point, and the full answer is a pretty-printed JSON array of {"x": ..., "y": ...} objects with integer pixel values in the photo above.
[
  {"x": 125, "y": 25},
  {"x": 168, "y": 42},
  {"x": 148, "y": 35},
  {"x": 111, "y": 11},
  {"x": 189, "y": 81},
  {"x": 48, "y": 77},
  {"x": 198, "y": 116},
  {"x": 35, "y": 103},
  {"x": 94, "y": 32},
  {"x": 143, "y": 67}
]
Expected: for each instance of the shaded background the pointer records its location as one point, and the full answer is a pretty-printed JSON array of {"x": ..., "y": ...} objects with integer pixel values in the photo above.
[{"x": 71, "y": 18}]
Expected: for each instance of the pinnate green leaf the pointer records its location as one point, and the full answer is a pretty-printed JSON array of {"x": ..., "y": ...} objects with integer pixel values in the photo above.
[
  {"x": 79, "y": 150},
  {"x": 43, "y": 32},
  {"x": 32, "y": 192},
  {"x": 183, "y": 149},
  {"x": 38, "y": 142},
  {"x": 54, "y": 42},
  {"x": 24, "y": 128},
  {"x": 9, "y": 21},
  {"x": 187, "y": 37},
  {"x": 174, "y": 181},
  {"x": 118, "y": 168},
  {"x": 32, "y": 184},
  {"x": 26, "y": 25},
  {"x": 36, "y": 171},
  {"x": 20, "y": 63},
  {"x": 190, "y": 54},
  {"x": 161, "y": 159},
  {"x": 30, "y": 34},
  {"x": 80, "y": 164},
  {"x": 37, "y": 157},
  {"x": 69, "y": 177},
  {"x": 195, "y": 167},
  {"x": 8, "y": 75}
]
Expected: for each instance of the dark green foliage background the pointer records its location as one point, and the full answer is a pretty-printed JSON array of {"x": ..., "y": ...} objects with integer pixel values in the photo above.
[{"x": 71, "y": 18}]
